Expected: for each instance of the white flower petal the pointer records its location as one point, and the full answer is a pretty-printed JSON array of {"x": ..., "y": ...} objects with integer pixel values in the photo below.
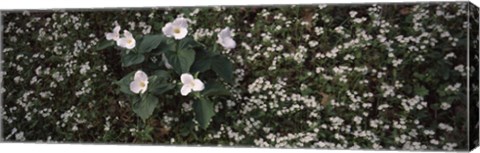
[
  {"x": 140, "y": 76},
  {"x": 130, "y": 43},
  {"x": 181, "y": 22},
  {"x": 122, "y": 42},
  {"x": 145, "y": 86},
  {"x": 186, "y": 78},
  {"x": 135, "y": 86},
  {"x": 127, "y": 34},
  {"x": 182, "y": 33},
  {"x": 225, "y": 39},
  {"x": 109, "y": 36},
  {"x": 225, "y": 33},
  {"x": 185, "y": 90},
  {"x": 198, "y": 85},
  {"x": 168, "y": 29},
  {"x": 116, "y": 30},
  {"x": 228, "y": 43}
]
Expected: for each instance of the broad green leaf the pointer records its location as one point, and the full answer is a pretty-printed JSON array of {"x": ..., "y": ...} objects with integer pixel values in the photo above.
[
  {"x": 165, "y": 75},
  {"x": 223, "y": 67},
  {"x": 162, "y": 88},
  {"x": 144, "y": 108},
  {"x": 158, "y": 83},
  {"x": 124, "y": 83},
  {"x": 150, "y": 42},
  {"x": 203, "y": 61},
  {"x": 421, "y": 90},
  {"x": 215, "y": 89},
  {"x": 203, "y": 112},
  {"x": 132, "y": 59},
  {"x": 181, "y": 60},
  {"x": 104, "y": 44},
  {"x": 188, "y": 42},
  {"x": 164, "y": 46}
]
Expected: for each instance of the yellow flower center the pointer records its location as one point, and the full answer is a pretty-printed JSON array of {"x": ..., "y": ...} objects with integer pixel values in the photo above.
[
  {"x": 130, "y": 41},
  {"x": 176, "y": 30},
  {"x": 142, "y": 84}
]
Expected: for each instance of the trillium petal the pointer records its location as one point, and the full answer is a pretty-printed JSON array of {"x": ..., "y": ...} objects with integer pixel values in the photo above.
[
  {"x": 109, "y": 36},
  {"x": 140, "y": 76},
  {"x": 181, "y": 22},
  {"x": 130, "y": 43},
  {"x": 183, "y": 32},
  {"x": 228, "y": 43},
  {"x": 116, "y": 30},
  {"x": 122, "y": 42},
  {"x": 185, "y": 90},
  {"x": 135, "y": 86},
  {"x": 225, "y": 33},
  {"x": 225, "y": 39},
  {"x": 198, "y": 85},
  {"x": 186, "y": 78},
  {"x": 127, "y": 34},
  {"x": 144, "y": 88},
  {"x": 168, "y": 29}
]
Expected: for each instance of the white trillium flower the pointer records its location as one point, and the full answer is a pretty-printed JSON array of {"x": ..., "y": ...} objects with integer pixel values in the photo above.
[
  {"x": 190, "y": 84},
  {"x": 139, "y": 83},
  {"x": 176, "y": 29},
  {"x": 114, "y": 35},
  {"x": 127, "y": 41},
  {"x": 225, "y": 39}
]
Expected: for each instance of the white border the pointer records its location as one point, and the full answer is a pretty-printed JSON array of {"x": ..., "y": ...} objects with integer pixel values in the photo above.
[
  {"x": 88, "y": 4},
  {"x": 97, "y": 4}
]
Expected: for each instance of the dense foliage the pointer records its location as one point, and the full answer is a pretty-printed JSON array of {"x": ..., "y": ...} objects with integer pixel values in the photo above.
[{"x": 388, "y": 76}]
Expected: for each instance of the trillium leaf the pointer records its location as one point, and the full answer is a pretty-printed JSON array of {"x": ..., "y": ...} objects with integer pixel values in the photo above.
[
  {"x": 124, "y": 83},
  {"x": 202, "y": 62},
  {"x": 150, "y": 42},
  {"x": 164, "y": 75},
  {"x": 132, "y": 59},
  {"x": 215, "y": 89},
  {"x": 181, "y": 60},
  {"x": 223, "y": 67},
  {"x": 188, "y": 42},
  {"x": 162, "y": 88},
  {"x": 144, "y": 107},
  {"x": 158, "y": 83},
  {"x": 104, "y": 44},
  {"x": 164, "y": 46},
  {"x": 203, "y": 112}
]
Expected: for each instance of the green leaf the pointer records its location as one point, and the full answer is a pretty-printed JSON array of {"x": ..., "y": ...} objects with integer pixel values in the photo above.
[
  {"x": 104, "y": 44},
  {"x": 181, "y": 60},
  {"x": 144, "y": 108},
  {"x": 215, "y": 89},
  {"x": 124, "y": 83},
  {"x": 223, "y": 67},
  {"x": 203, "y": 112},
  {"x": 162, "y": 88},
  {"x": 164, "y": 46},
  {"x": 150, "y": 42},
  {"x": 188, "y": 42},
  {"x": 421, "y": 91},
  {"x": 165, "y": 75},
  {"x": 158, "y": 83},
  {"x": 132, "y": 59},
  {"x": 203, "y": 61}
]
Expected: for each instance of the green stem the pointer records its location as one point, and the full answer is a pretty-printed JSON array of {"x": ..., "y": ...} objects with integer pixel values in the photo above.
[
  {"x": 215, "y": 48},
  {"x": 197, "y": 95},
  {"x": 176, "y": 45}
]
